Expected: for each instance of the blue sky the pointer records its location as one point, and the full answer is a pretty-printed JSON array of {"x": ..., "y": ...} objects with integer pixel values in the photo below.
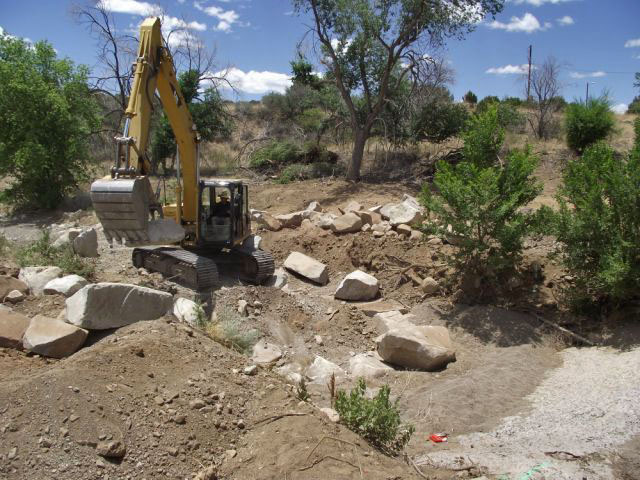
[{"x": 597, "y": 41}]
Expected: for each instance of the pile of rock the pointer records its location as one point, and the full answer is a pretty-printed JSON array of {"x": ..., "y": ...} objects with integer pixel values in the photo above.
[{"x": 393, "y": 219}]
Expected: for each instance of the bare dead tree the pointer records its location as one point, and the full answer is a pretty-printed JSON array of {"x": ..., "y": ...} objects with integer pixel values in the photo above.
[{"x": 545, "y": 87}]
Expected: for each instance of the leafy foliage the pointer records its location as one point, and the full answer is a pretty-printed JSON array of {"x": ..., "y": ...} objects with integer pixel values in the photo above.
[
  {"x": 588, "y": 122},
  {"x": 42, "y": 252},
  {"x": 229, "y": 330},
  {"x": 634, "y": 106},
  {"x": 438, "y": 121},
  {"x": 599, "y": 224},
  {"x": 470, "y": 98},
  {"x": 486, "y": 102},
  {"x": 482, "y": 199},
  {"x": 48, "y": 115},
  {"x": 377, "y": 420}
]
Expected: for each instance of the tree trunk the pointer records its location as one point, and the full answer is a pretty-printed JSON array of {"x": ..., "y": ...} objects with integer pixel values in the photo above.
[{"x": 353, "y": 173}]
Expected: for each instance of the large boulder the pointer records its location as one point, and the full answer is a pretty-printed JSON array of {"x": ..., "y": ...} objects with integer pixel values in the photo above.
[
  {"x": 8, "y": 284},
  {"x": 37, "y": 277},
  {"x": 266, "y": 221},
  {"x": 321, "y": 369},
  {"x": 67, "y": 237},
  {"x": 381, "y": 306},
  {"x": 52, "y": 338},
  {"x": 112, "y": 305},
  {"x": 86, "y": 243},
  {"x": 357, "y": 285},
  {"x": 422, "y": 348},
  {"x": 352, "y": 206},
  {"x": 322, "y": 220},
  {"x": 67, "y": 285},
  {"x": 292, "y": 220},
  {"x": 407, "y": 212},
  {"x": 265, "y": 353},
  {"x": 187, "y": 311},
  {"x": 367, "y": 365},
  {"x": 386, "y": 321},
  {"x": 307, "y": 267},
  {"x": 347, "y": 223},
  {"x": 12, "y": 328},
  {"x": 367, "y": 217}
]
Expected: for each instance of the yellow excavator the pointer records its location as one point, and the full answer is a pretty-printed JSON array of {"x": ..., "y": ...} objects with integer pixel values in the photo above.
[{"x": 210, "y": 220}]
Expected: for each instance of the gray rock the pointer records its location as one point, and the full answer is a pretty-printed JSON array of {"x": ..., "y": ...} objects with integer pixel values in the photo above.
[
  {"x": 266, "y": 221},
  {"x": 8, "y": 284},
  {"x": 314, "y": 207},
  {"x": 279, "y": 278},
  {"x": 86, "y": 243},
  {"x": 380, "y": 306},
  {"x": 321, "y": 370},
  {"x": 37, "y": 277},
  {"x": 367, "y": 217},
  {"x": 12, "y": 328},
  {"x": 382, "y": 227},
  {"x": 357, "y": 285},
  {"x": 112, "y": 305},
  {"x": 112, "y": 449},
  {"x": 291, "y": 220},
  {"x": 416, "y": 235},
  {"x": 322, "y": 220},
  {"x": 187, "y": 311},
  {"x": 347, "y": 223},
  {"x": 352, "y": 207},
  {"x": 67, "y": 285},
  {"x": 265, "y": 353},
  {"x": 429, "y": 286},
  {"x": 292, "y": 372},
  {"x": 52, "y": 338},
  {"x": 386, "y": 321},
  {"x": 307, "y": 267},
  {"x": 403, "y": 229},
  {"x": 250, "y": 370},
  {"x": 331, "y": 414},
  {"x": 367, "y": 365},
  {"x": 67, "y": 237},
  {"x": 14, "y": 296},
  {"x": 422, "y": 348},
  {"x": 243, "y": 308},
  {"x": 407, "y": 212}
]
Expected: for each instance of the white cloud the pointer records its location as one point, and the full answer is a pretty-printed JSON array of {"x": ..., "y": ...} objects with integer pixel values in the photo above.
[
  {"x": 181, "y": 1},
  {"x": 226, "y": 18},
  {"x": 508, "y": 70},
  {"x": 255, "y": 82},
  {"x": 579, "y": 75},
  {"x": 527, "y": 23},
  {"x": 635, "y": 42},
  {"x": 133, "y": 7},
  {"x": 173, "y": 23},
  {"x": 538, "y": 3},
  {"x": 178, "y": 38},
  {"x": 564, "y": 21},
  {"x": 620, "y": 108}
]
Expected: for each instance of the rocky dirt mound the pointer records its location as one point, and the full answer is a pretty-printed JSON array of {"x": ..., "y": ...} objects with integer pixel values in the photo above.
[{"x": 161, "y": 400}]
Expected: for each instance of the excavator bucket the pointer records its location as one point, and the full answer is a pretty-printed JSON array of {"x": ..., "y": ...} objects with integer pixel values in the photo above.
[{"x": 122, "y": 206}]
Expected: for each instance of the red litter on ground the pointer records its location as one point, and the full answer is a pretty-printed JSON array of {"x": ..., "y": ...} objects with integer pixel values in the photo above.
[{"x": 438, "y": 437}]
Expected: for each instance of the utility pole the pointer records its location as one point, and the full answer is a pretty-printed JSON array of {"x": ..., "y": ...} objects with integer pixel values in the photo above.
[
  {"x": 529, "y": 76},
  {"x": 587, "y": 97}
]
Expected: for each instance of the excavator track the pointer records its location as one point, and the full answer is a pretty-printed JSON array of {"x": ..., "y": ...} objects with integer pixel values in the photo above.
[
  {"x": 178, "y": 265},
  {"x": 199, "y": 270}
]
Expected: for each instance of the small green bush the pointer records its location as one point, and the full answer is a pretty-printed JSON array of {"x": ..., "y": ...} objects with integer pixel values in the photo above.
[
  {"x": 438, "y": 121},
  {"x": 636, "y": 131},
  {"x": 510, "y": 118},
  {"x": 634, "y": 106},
  {"x": 377, "y": 420},
  {"x": 588, "y": 122},
  {"x": 293, "y": 172},
  {"x": 482, "y": 199},
  {"x": 487, "y": 101},
  {"x": 470, "y": 98},
  {"x": 275, "y": 155},
  {"x": 229, "y": 330},
  {"x": 483, "y": 138},
  {"x": 42, "y": 252},
  {"x": 598, "y": 225}
]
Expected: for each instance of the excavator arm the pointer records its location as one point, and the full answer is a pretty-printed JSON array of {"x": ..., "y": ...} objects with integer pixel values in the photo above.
[{"x": 124, "y": 202}]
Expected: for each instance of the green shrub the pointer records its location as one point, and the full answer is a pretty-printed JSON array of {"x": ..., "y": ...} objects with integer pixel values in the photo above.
[
  {"x": 41, "y": 252},
  {"x": 439, "y": 121},
  {"x": 483, "y": 138},
  {"x": 482, "y": 199},
  {"x": 513, "y": 101},
  {"x": 275, "y": 155},
  {"x": 598, "y": 224},
  {"x": 636, "y": 131},
  {"x": 229, "y": 330},
  {"x": 487, "y": 101},
  {"x": 377, "y": 420},
  {"x": 297, "y": 171},
  {"x": 588, "y": 122},
  {"x": 470, "y": 98},
  {"x": 510, "y": 118},
  {"x": 634, "y": 106}
]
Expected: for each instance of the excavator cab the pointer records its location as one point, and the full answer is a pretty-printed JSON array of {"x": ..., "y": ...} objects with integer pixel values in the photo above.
[{"x": 224, "y": 213}]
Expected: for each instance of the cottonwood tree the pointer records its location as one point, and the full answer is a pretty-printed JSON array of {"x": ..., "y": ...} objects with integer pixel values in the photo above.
[
  {"x": 369, "y": 47},
  {"x": 545, "y": 90}
]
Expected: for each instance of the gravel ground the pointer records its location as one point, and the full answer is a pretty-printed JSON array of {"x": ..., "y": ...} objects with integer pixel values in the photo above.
[{"x": 579, "y": 415}]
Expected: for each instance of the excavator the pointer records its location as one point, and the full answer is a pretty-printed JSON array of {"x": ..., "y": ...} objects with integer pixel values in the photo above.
[{"x": 209, "y": 225}]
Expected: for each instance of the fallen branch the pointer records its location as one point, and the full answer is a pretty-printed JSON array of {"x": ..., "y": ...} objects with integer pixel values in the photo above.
[
  {"x": 315, "y": 462},
  {"x": 278, "y": 417},
  {"x": 415, "y": 467},
  {"x": 580, "y": 338}
]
